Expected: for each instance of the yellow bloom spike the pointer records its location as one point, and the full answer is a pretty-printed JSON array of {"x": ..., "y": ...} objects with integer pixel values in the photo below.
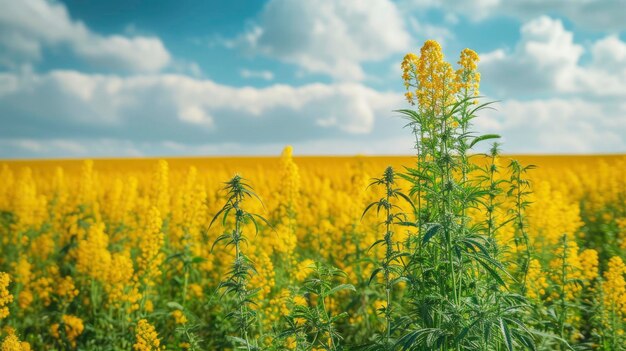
[
  {"x": 5, "y": 296},
  {"x": 433, "y": 78},
  {"x": 146, "y": 336}
]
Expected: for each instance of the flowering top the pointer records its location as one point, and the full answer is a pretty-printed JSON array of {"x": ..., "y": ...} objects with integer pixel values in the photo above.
[
  {"x": 433, "y": 83},
  {"x": 467, "y": 76}
]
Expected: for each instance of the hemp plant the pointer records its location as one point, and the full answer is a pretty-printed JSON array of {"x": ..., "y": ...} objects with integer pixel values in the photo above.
[
  {"x": 235, "y": 283},
  {"x": 391, "y": 265},
  {"x": 312, "y": 325},
  {"x": 457, "y": 290},
  {"x": 519, "y": 190}
]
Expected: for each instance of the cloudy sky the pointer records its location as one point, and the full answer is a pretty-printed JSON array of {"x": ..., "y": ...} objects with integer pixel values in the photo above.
[{"x": 83, "y": 78}]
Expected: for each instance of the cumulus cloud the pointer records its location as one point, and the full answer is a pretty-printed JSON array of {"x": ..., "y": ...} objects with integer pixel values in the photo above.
[
  {"x": 558, "y": 125},
  {"x": 28, "y": 27},
  {"x": 180, "y": 109},
  {"x": 48, "y": 148},
  {"x": 330, "y": 37},
  {"x": 548, "y": 60},
  {"x": 83, "y": 115},
  {"x": 542, "y": 60},
  {"x": 592, "y": 14},
  {"x": 429, "y": 31}
]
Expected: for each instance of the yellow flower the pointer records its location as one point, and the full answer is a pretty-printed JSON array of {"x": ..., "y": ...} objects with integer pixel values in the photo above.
[
  {"x": 121, "y": 288},
  {"x": 160, "y": 195},
  {"x": 299, "y": 300},
  {"x": 179, "y": 317},
  {"x": 12, "y": 343},
  {"x": 150, "y": 260},
  {"x": 303, "y": 270},
  {"x": 73, "y": 328},
  {"x": 146, "y": 336},
  {"x": 195, "y": 290},
  {"x": 290, "y": 343},
  {"x": 5, "y": 296},
  {"x": 92, "y": 255},
  {"x": 467, "y": 77},
  {"x": 379, "y": 306},
  {"x": 149, "y": 306},
  {"x": 436, "y": 79},
  {"x": 615, "y": 287},
  {"x": 66, "y": 289},
  {"x": 589, "y": 264},
  {"x": 536, "y": 282}
]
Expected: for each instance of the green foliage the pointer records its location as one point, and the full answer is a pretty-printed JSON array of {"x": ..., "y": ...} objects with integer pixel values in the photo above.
[{"x": 235, "y": 283}]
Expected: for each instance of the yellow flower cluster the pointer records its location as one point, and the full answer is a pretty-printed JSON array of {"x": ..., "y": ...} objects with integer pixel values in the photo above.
[
  {"x": 552, "y": 214},
  {"x": 179, "y": 317},
  {"x": 615, "y": 287},
  {"x": 146, "y": 337},
  {"x": 435, "y": 82},
  {"x": 536, "y": 282},
  {"x": 121, "y": 286},
  {"x": 5, "y": 296},
  {"x": 73, "y": 328},
  {"x": 467, "y": 76},
  {"x": 92, "y": 255},
  {"x": 12, "y": 343},
  {"x": 589, "y": 264},
  {"x": 151, "y": 257}
]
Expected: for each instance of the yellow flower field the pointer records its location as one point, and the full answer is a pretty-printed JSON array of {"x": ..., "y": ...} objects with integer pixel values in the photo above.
[
  {"x": 448, "y": 250},
  {"x": 126, "y": 244}
]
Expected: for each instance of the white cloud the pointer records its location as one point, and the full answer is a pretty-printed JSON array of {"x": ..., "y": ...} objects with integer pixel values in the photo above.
[
  {"x": 543, "y": 59},
  {"x": 330, "y": 37},
  {"x": 593, "y": 14},
  {"x": 264, "y": 74},
  {"x": 82, "y": 148},
  {"x": 80, "y": 114},
  {"x": 548, "y": 60},
  {"x": 27, "y": 27},
  {"x": 558, "y": 125},
  {"x": 186, "y": 110},
  {"x": 427, "y": 31}
]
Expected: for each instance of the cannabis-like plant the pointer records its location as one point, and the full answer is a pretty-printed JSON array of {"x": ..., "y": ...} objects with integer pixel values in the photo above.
[{"x": 236, "y": 282}]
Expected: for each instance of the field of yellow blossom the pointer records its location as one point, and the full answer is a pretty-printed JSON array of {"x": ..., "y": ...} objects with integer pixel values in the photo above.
[
  {"x": 450, "y": 249},
  {"x": 115, "y": 253}
]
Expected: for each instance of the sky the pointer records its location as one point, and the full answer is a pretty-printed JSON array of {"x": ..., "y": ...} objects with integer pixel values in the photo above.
[{"x": 120, "y": 78}]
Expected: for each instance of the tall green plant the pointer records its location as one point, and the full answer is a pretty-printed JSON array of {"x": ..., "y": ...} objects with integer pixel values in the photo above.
[
  {"x": 458, "y": 289},
  {"x": 390, "y": 266},
  {"x": 235, "y": 283}
]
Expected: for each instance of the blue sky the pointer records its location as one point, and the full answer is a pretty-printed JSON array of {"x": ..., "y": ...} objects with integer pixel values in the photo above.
[{"x": 163, "y": 78}]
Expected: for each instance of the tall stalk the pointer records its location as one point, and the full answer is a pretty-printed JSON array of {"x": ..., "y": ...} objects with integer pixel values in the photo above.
[
  {"x": 455, "y": 309},
  {"x": 236, "y": 283},
  {"x": 390, "y": 265},
  {"x": 519, "y": 190}
]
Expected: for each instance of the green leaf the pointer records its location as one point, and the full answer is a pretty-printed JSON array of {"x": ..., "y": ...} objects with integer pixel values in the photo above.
[
  {"x": 483, "y": 137},
  {"x": 339, "y": 288},
  {"x": 175, "y": 305},
  {"x": 374, "y": 274},
  {"x": 431, "y": 232},
  {"x": 506, "y": 334}
]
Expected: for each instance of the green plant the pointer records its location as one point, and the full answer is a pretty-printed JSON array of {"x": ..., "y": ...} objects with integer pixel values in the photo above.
[
  {"x": 458, "y": 291},
  {"x": 313, "y": 324},
  {"x": 390, "y": 266},
  {"x": 236, "y": 282}
]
